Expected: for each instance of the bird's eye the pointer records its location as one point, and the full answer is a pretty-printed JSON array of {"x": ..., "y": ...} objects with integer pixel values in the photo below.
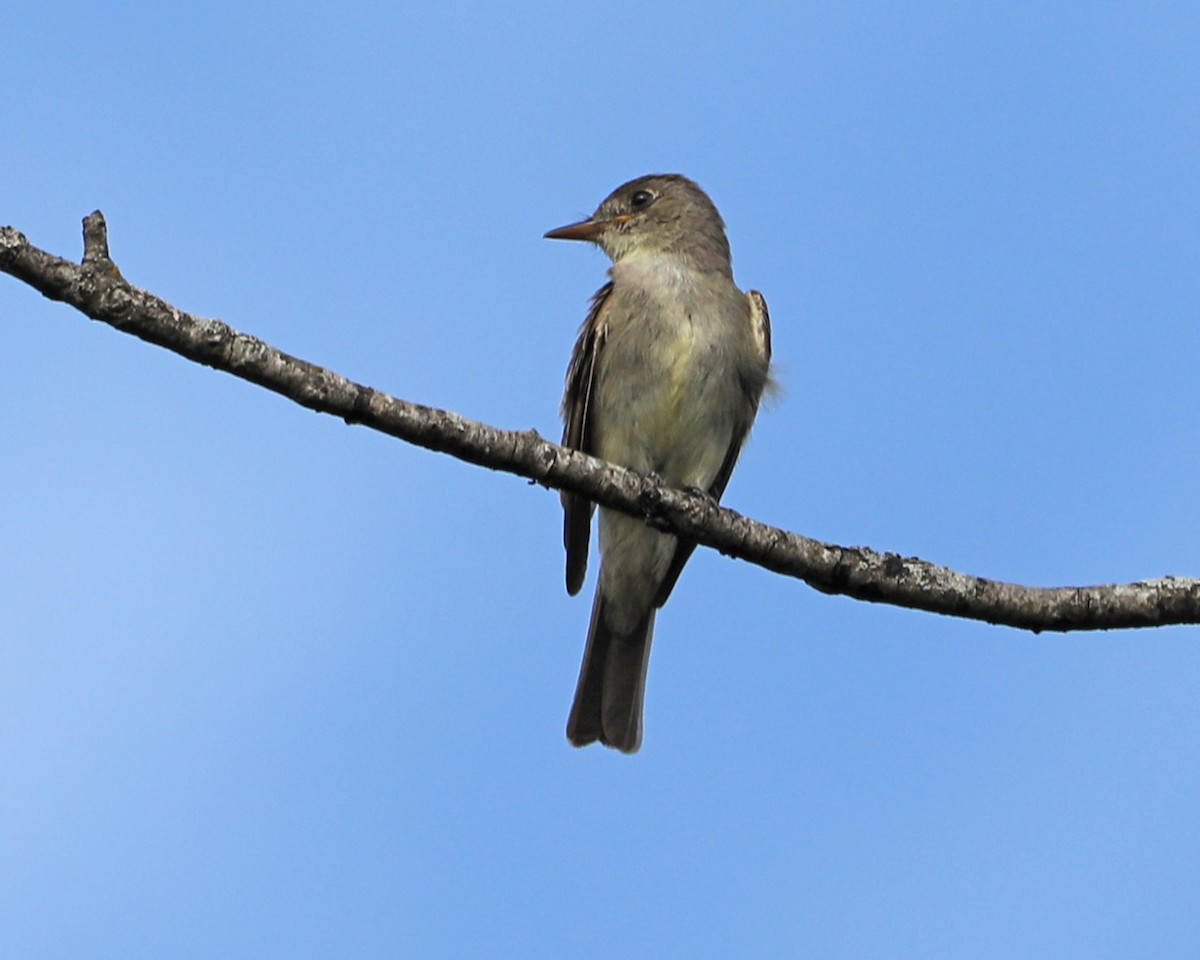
[{"x": 641, "y": 199}]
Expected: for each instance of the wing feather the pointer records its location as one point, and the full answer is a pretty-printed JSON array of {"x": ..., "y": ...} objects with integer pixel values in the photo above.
[{"x": 577, "y": 434}]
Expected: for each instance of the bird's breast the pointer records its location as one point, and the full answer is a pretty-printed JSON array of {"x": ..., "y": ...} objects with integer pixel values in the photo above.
[{"x": 667, "y": 392}]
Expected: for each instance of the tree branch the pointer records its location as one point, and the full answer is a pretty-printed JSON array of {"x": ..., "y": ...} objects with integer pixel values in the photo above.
[{"x": 97, "y": 289}]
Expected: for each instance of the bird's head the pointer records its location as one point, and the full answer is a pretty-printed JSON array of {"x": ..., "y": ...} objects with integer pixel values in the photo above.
[{"x": 660, "y": 214}]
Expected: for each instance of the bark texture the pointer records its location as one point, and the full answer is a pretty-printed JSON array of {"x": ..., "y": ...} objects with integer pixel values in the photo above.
[{"x": 96, "y": 288}]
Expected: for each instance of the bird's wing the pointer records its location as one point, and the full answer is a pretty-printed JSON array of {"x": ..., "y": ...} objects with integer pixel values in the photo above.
[
  {"x": 577, "y": 434},
  {"x": 760, "y": 328},
  {"x": 760, "y": 323}
]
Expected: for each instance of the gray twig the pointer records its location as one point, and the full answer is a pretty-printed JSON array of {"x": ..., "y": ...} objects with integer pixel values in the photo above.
[{"x": 96, "y": 288}]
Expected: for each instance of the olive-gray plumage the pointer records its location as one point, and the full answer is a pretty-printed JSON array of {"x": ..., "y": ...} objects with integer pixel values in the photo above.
[{"x": 665, "y": 378}]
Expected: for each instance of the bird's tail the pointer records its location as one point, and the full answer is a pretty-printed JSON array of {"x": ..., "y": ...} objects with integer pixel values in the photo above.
[{"x": 612, "y": 684}]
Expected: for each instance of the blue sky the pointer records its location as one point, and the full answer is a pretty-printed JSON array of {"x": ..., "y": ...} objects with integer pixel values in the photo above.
[{"x": 271, "y": 686}]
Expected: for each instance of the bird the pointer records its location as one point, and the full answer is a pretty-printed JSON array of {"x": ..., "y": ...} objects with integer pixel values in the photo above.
[{"x": 665, "y": 378}]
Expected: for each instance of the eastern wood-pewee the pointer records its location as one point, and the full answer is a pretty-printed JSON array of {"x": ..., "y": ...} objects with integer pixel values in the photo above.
[{"x": 665, "y": 378}]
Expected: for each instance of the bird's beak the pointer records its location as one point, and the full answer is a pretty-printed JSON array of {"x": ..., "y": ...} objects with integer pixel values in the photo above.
[{"x": 588, "y": 229}]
